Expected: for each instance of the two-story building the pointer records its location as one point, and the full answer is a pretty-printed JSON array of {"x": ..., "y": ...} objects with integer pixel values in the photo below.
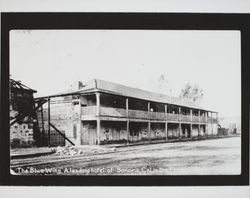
[{"x": 102, "y": 112}]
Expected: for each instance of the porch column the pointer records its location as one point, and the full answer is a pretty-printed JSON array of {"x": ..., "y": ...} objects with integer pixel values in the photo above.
[
  {"x": 98, "y": 121},
  {"x": 149, "y": 124},
  {"x": 199, "y": 114},
  {"x": 166, "y": 111},
  {"x": 180, "y": 134},
  {"x": 79, "y": 131},
  {"x": 127, "y": 131},
  {"x": 49, "y": 122},
  {"x": 206, "y": 115},
  {"x": 166, "y": 130},
  {"x": 166, "y": 123},
  {"x": 127, "y": 107},
  {"x": 149, "y": 131},
  {"x": 191, "y": 129},
  {"x": 179, "y": 113},
  {"x": 127, "y": 121},
  {"x": 199, "y": 130},
  {"x": 191, "y": 114}
]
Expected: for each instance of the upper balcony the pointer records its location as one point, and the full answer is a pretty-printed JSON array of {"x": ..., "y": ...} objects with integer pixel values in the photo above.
[{"x": 91, "y": 111}]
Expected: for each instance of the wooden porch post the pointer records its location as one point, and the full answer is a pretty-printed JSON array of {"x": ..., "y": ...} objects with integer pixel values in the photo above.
[
  {"x": 149, "y": 124},
  {"x": 199, "y": 114},
  {"x": 199, "y": 130},
  {"x": 127, "y": 120},
  {"x": 191, "y": 129},
  {"x": 149, "y": 132},
  {"x": 98, "y": 121},
  {"x": 191, "y": 114},
  {"x": 49, "y": 122},
  {"x": 166, "y": 123},
  {"x": 166, "y": 130},
  {"x": 180, "y": 134},
  {"x": 179, "y": 113},
  {"x": 128, "y": 132},
  {"x": 79, "y": 131}
]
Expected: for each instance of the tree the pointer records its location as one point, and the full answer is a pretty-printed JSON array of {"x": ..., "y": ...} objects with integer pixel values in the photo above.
[{"x": 192, "y": 92}]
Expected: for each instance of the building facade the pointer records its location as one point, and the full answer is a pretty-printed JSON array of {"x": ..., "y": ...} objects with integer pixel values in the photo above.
[
  {"x": 102, "y": 112},
  {"x": 22, "y": 115}
]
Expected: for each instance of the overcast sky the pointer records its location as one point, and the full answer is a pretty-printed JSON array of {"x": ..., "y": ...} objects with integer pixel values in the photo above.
[{"x": 50, "y": 60}]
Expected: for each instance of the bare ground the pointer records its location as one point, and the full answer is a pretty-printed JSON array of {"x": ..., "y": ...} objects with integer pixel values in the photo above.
[{"x": 206, "y": 157}]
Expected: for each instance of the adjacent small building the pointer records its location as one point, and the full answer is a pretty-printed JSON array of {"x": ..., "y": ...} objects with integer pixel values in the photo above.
[
  {"x": 102, "y": 112},
  {"x": 22, "y": 115}
]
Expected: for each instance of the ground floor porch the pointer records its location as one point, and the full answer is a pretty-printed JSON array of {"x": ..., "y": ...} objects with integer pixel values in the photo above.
[{"x": 96, "y": 132}]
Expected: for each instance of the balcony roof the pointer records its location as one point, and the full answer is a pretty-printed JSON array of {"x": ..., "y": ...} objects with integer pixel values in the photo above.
[
  {"x": 126, "y": 91},
  {"x": 122, "y": 90}
]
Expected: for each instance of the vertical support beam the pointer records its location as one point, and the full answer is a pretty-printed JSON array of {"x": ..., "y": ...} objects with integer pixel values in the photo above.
[
  {"x": 166, "y": 112},
  {"x": 128, "y": 132},
  {"x": 199, "y": 130},
  {"x": 166, "y": 130},
  {"x": 191, "y": 130},
  {"x": 149, "y": 132},
  {"x": 148, "y": 106},
  {"x": 127, "y": 107},
  {"x": 149, "y": 124},
  {"x": 43, "y": 131},
  {"x": 206, "y": 115},
  {"x": 199, "y": 114},
  {"x": 212, "y": 127},
  {"x": 166, "y": 123},
  {"x": 98, "y": 129},
  {"x": 97, "y": 103},
  {"x": 179, "y": 113},
  {"x": 180, "y": 134},
  {"x": 49, "y": 122},
  {"x": 79, "y": 131},
  {"x": 98, "y": 121},
  {"x": 191, "y": 114}
]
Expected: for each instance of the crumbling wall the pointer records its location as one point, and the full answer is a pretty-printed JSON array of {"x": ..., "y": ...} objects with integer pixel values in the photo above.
[{"x": 22, "y": 132}]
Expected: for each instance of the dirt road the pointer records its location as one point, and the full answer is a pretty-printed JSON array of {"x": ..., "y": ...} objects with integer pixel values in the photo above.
[{"x": 206, "y": 157}]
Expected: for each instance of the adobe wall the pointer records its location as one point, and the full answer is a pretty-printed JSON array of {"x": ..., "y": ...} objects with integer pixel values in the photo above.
[
  {"x": 22, "y": 132},
  {"x": 65, "y": 116}
]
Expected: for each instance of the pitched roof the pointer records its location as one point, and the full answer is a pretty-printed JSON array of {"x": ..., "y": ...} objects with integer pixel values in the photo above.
[
  {"x": 118, "y": 89},
  {"x": 17, "y": 85},
  {"x": 126, "y": 91}
]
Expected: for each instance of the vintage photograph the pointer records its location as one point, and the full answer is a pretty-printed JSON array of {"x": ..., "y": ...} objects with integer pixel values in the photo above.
[{"x": 125, "y": 102}]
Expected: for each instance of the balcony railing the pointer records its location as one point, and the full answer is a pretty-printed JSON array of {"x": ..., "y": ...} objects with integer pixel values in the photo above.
[
  {"x": 185, "y": 118},
  {"x": 195, "y": 118},
  {"x": 90, "y": 110},
  {"x": 173, "y": 117},
  {"x": 203, "y": 119},
  {"x": 137, "y": 114},
  {"x": 158, "y": 115},
  {"x": 110, "y": 111}
]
